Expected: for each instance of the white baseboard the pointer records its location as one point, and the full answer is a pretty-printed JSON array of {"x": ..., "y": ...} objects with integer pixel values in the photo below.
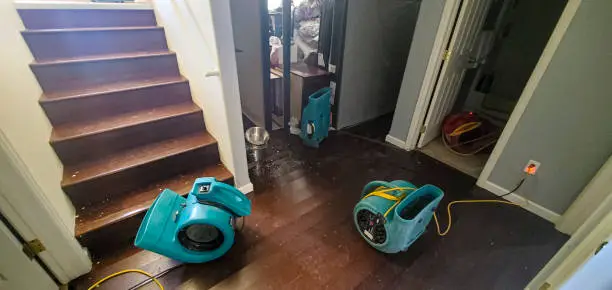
[
  {"x": 531, "y": 206},
  {"x": 396, "y": 142},
  {"x": 247, "y": 188}
]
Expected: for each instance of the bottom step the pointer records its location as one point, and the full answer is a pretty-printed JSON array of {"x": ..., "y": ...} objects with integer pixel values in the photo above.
[{"x": 105, "y": 226}]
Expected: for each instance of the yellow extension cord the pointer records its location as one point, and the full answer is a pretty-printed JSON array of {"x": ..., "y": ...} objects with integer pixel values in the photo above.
[
  {"x": 380, "y": 193},
  {"x": 123, "y": 272},
  {"x": 383, "y": 193},
  {"x": 448, "y": 211}
]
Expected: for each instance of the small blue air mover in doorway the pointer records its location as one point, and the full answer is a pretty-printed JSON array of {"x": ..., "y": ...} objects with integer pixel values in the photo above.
[
  {"x": 196, "y": 229},
  {"x": 315, "y": 118},
  {"x": 391, "y": 215}
]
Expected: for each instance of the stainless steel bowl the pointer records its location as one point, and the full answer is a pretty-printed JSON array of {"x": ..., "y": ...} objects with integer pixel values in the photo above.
[{"x": 257, "y": 136}]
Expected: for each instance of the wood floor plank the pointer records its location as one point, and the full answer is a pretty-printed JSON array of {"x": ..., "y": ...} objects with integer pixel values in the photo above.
[{"x": 301, "y": 233}]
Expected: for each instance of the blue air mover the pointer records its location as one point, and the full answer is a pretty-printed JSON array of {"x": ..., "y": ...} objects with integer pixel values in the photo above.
[
  {"x": 315, "y": 118},
  {"x": 195, "y": 229},
  {"x": 391, "y": 215}
]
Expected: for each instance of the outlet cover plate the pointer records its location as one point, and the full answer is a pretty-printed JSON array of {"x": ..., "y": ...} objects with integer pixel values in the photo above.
[{"x": 535, "y": 163}]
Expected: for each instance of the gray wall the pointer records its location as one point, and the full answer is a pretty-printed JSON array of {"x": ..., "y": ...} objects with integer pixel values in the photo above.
[
  {"x": 377, "y": 41},
  {"x": 427, "y": 24},
  {"x": 532, "y": 24},
  {"x": 567, "y": 125},
  {"x": 246, "y": 26}
]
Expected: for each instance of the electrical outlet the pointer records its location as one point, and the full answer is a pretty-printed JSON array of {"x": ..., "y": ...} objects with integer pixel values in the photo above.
[{"x": 532, "y": 167}]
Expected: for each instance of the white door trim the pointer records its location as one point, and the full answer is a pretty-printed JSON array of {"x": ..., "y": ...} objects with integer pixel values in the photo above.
[
  {"x": 25, "y": 205},
  {"x": 539, "y": 70},
  {"x": 449, "y": 14},
  {"x": 433, "y": 67},
  {"x": 593, "y": 194},
  {"x": 577, "y": 249}
]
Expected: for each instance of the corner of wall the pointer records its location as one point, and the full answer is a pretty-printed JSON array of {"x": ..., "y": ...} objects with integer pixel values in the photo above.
[
  {"x": 205, "y": 44},
  {"x": 221, "y": 18}
]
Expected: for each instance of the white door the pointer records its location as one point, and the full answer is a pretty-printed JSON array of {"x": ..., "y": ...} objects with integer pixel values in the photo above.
[
  {"x": 467, "y": 26},
  {"x": 17, "y": 271}
]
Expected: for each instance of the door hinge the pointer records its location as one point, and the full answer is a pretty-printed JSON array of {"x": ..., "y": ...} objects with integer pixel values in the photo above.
[
  {"x": 33, "y": 248},
  {"x": 446, "y": 55},
  {"x": 545, "y": 286},
  {"x": 423, "y": 128}
]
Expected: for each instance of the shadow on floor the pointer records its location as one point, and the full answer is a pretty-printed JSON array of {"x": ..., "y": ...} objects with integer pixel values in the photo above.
[{"x": 375, "y": 129}]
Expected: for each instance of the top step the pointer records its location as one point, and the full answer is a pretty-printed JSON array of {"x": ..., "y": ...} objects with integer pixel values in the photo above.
[{"x": 86, "y": 18}]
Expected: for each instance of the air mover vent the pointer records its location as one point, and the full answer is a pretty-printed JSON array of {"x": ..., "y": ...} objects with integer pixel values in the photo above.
[
  {"x": 200, "y": 237},
  {"x": 372, "y": 226}
]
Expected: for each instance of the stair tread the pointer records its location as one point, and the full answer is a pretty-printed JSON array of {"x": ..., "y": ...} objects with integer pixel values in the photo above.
[
  {"x": 135, "y": 157},
  {"x": 84, "y": 29},
  {"x": 116, "y": 209},
  {"x": 101, "y": 57},
  {"x": 110, "y": 88},
  {"x": 81, "y": 129}
]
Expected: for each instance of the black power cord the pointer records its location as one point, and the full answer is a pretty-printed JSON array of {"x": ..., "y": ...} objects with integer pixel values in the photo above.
[
  {"x": 520, "y": 183},
  {"x": 157, "y": 276}
]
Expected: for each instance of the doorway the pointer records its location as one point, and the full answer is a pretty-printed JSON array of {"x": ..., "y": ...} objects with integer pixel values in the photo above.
[{"x": 491, "y": 51}]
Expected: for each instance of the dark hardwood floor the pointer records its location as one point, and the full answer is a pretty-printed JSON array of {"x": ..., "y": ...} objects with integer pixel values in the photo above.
[
  {"x": 375, "y": 129},
  {"x": 301, "y": 235}
]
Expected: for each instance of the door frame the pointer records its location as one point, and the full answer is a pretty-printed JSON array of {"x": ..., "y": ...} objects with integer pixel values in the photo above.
[
  {"x": 434, "y": 66},
  {"x": 6, "y": 228},
  {"x": 29, "y": 211},
  {"x": 432, "y": 73},
  {"x": 581, "y": 245},
  {"x": 454, "y": 60},
  {"x": 536, "y": 76}
]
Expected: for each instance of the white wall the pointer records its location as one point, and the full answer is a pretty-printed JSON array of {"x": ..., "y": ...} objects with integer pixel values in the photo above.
[
  {"x": 22, "y": 120},
  {"x": 200, "y": 32}
]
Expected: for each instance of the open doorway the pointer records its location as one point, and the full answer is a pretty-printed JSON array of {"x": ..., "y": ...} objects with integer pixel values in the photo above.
[
  {"x": 377, "y": 42},
  {"x": 491, "y": 52},
  {"x": 260, "y": 33},
  {"x": 357, "y": 48}
]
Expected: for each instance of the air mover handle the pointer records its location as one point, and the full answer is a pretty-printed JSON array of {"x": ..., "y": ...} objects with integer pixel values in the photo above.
[{"x": 208, "y": 189}]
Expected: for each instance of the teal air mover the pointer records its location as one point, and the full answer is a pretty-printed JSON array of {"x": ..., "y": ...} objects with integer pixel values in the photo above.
[
  {"x": 315, "y": 118},
  {"x": 196, "y": 229},
  {"x": 391, "y": 215}
]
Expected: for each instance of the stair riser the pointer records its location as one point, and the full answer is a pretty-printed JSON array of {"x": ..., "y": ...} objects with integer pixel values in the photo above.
[
  {"x": 114, "y": 237},
  {"x": 113, "y": 185},
  {"x": 79, "y": 18},
  {"x": 78, "y": 75},
  {"x": 109, "y": 104},
  {"x": 72, "y": 44},
  {"x": 96, "y": 146}
]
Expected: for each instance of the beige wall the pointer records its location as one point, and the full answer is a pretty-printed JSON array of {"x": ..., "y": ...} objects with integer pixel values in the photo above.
[
  {"x": 204, "y": 44},
  {"x": 22, "y": 120}
]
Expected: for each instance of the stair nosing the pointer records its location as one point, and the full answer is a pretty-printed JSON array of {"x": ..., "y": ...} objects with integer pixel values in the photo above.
[
  {"x": 194, "y": 109},
  {"x": 137, "y": 86},
  {"x": 101, "y": 58},
  {"x": 90, "y": 29},
  {"x": 138, "y": 164},
  {"x": 79, "y": 231}
]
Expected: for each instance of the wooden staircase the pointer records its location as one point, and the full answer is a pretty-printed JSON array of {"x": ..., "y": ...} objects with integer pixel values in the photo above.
[{"x": 124, "y": 124}]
